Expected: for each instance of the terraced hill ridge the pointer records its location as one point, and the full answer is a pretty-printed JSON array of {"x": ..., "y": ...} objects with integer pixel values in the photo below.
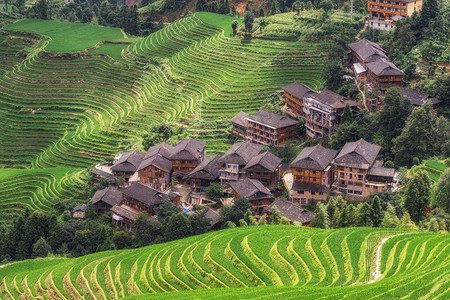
[
  {"x": 77, "y": 109},
  {"x": 249, "y": 262}
]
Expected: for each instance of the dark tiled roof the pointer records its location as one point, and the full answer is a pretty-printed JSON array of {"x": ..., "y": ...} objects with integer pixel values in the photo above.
[
  {"x": 267, "y": 160},
  {"x": 128, "y": 162},
  {"x": 213, "y": 215},
  {"x": 297, "y": 89},
  {"x": 359, "y": 154},
  {"x": 368, "y": 50},
  {"x": 125, "y": 211},
  {"x": 251, "y": 189},
  {"x": 158, "y": 156},
  {"x": 383, "y": 172},
  {"x": 332, "y": 99},
  {"x": 101, "y": 173},
  {"x": 240, "y": 120},
  {"x": 268, "y": 118},
  {"x": 144, "y": 194},
  {"x": 81, "y": 207},
  {"x": 188, "y": 149},
  {"x": 163, "y": 149},
  {"x": 291, "y": 211},
  {"x": 315, "y": 158},
  {"x": 312, "y": 187},
  {"x": 208, "y": 169},
  {"x": 417, "y": 98},
  {"x": 383, "y": 67},
  {"x": 108, "y": 195},
  {"x": 241, "y": 153}
]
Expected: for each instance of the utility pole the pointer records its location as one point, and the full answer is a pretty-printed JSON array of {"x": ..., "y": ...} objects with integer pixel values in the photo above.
[{"x": 351, "y": 10}]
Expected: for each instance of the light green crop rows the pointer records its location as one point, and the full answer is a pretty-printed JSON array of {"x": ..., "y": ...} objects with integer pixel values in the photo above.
[
  {"x": 36, "y": 189},
  {"x": 75, "y": 111},
  {"x": 293, "y": 261}
]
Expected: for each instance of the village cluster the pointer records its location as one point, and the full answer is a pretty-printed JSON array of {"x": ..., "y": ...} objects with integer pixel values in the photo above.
[{"x": 181, "y": 173}]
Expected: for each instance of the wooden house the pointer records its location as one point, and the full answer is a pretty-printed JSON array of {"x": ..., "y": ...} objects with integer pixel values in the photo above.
[
  {"x": 293, "y": 96},
  {"x": 186, "y": 155},
  {"x": 255, "y": 192},
  {"x": 156, "y": 167},
  {"x": 370, "y": 61},
  {"x": 135, "y": 199},
  {"x": 322, "y": 112},
  {"x": 233, "y": 162},
  {"x": 384, "y": 14},
  {"x": 204, "y": 174},
  {"x": 79, "y": 212},
  {"x": 358, "y": 173},
  {"x": 313, "y": 172},
  {"x": 240, "y": 124},
  {"x": 127, "y": 164},
  {"x": 419, "y": 99},
  {"x": 267, "y": 128},
  {"x": 103, "y": 200},
  {"x": 292, "y": 212},
  {"x": 264, "y": 167}
]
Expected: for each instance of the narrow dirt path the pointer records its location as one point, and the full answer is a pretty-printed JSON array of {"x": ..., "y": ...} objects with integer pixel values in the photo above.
[
  {"x": 124, "y": 34},
  {"x": 377, "y": 273},
  {"x": 366, "y": 24},
  {"x": 362, "y": 94}
]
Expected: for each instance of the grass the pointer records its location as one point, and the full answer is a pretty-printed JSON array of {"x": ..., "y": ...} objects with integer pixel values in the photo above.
[
  {"x": 65, "y": 36},
  {"x": 220, "y": 21},
  {"x": 112, "y": 50},
  {"x": 259, "y": 261}
]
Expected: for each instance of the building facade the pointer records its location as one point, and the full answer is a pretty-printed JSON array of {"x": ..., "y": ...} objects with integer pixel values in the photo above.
[
  {"x": 204, "y": 174},
  {"x": 233, "y": 162},
  {"x": 358, "y": 173},
  {"x": 127, "y": 164},
  {"x": 267, "y": 128},
  {"x": 265, "y": 167},
  {"x": 257, "y": 194},
  {"x": 240, "y": 124},
  {"x": 371, "y": 63},
  {"x": 185, "y": 157},
  {"x": 383, "y": 14},
  {"x": 156, "y": 167},
  {"x": 313, "y": 173}
]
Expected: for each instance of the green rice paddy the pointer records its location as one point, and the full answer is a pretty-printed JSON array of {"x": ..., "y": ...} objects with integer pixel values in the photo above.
[{"x": 248, "y": 262}]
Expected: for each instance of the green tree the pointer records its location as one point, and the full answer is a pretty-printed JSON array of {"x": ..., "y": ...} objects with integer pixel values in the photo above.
[
  {"x": 167, "y": 209},
  {"x": 333, "y": 74},
  {"x": 238, "y": 209},
  {"x": 262, "y": 220},
  {"x": 429, "y": 11},
  {"x": 122, "y": 239},
  {"x": 433, "y": 226},
  {"x": 108, "y": 244},
  {"x": 242, "y": 223},
  {"x": 418, "y": 195},
  {"x": 405, "y": 222},
  {"x": 42, "y": 9},
  {"x": 285, "y": 221},
  {"x": 364, "y": 212},
  {"x": 248, "y": 21},
  {"x": 442, "y": 191},
  {"x": 178, "y": 227},
  {"x": 376, "y": 212},
  {"x": 41, "y": 248},
  {"x": 392, "y": 117},
  {"x": 418, "y": 138},
  {"x": 390, "y": 219},
  {"x": 347, "y": 115},
  {"x": 262, "y": 24},
  {"x": 234, "y": 25},
  {"x": 321, "y": 218},
  {"x": 334, "y": 214},
  {"x": 199, "y": 224},
  {"x": 250, "y": 219},
  {"x": 275, "y": 218},
  {"x": 215, "y": 192},
  {"x": 146, "y": 229}
]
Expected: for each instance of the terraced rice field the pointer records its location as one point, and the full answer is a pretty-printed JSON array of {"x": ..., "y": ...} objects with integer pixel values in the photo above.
[
  {"x": 36, "y": 189},
  {"x": 74, "y": 110},
  {"x": 248, "y": 262}
]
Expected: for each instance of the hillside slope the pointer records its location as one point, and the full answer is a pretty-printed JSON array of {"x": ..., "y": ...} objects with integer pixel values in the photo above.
[{"x": 248, "y": 262}]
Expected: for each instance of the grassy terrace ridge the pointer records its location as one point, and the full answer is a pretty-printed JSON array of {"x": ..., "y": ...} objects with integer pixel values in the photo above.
[
  {"x": 68, "y": 37},
  {"x": 74, "y": 111},
  {"x": 248, "y": 262},
  {"x": 36, "y": 189}
]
